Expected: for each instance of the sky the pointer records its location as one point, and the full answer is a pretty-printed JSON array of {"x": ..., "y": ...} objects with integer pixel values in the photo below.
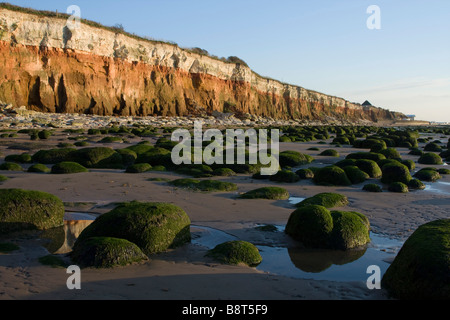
[{"x": 403, "y": 64}]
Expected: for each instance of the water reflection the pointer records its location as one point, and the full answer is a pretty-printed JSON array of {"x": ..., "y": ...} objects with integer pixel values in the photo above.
[{"x": 60, "y": 240}]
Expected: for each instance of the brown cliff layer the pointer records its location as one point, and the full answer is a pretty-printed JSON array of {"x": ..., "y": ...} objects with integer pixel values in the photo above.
[{"x": 43, "y": 69}]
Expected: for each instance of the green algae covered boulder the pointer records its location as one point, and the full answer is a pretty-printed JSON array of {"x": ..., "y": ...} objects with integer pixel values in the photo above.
[
  {"x": 331, "y": 175},
  {"x": 106, "y": 252},
  {"x": 370, "y": 167},
  {"x": 325, "y": 199},
  {"x": 11, "y": 166},
  {"x": 372, "y": 187},
  {"x": 204, "y": 185},
  {"x": 416, "y": 184},
  {"x": 395, "y": 172},
  {"x": 428, "y": 174},
  {"x": 97, "y": 157},
  {"x": 68, "y": 167},
  {"x": 272, "y": 193},
  {"x": 350, "y": 230},
  {"x": 285, "y": 176},
  {"x": 430, "y": 158},
  {"x": 398, "y": 187},
  {"x": 154, "y": 227},
  {"x": 39, "y": 168},
  {"x": 305, "y": 173},
  {"x": 311, "y": 225},
  {"x": 138, "y": 168},
  {"x": 236, "y": 252},
  {"x": 24, "y": 209},
  {"x": 52, "y": 156},
  {"x": 317, "y": 227},
  {"x": 294, "y": 158},
  {"x": 421, "y": 269},
  {"x": 329, "y": 153},
  {"x": 355, "y": 174}
]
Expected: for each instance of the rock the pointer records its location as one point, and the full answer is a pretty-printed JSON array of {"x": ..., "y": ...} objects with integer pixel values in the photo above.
[
  {"x": 272, "y": 193},
  {"x": 106, "y": 252},
  {"x": 395, "y": 172},
  {"x": 331, "y": 175},
  {"x": 154, "y": 227},
  {"x": 236, "y": 252},
  {"x": 325, "y": 199},
  {"x": 23, "y": 209},
  {"x": 421, "y": 269}
]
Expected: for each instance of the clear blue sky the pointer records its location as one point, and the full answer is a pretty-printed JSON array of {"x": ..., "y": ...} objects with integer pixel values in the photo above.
[{"x": 322, "y": 45}]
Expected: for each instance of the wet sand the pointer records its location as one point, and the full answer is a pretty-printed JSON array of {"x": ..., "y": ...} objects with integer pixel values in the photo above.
[{"x": 184, "y": 273}]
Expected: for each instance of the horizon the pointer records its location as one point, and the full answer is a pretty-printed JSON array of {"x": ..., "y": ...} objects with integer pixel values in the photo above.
[{"x": 402, "y": 66}]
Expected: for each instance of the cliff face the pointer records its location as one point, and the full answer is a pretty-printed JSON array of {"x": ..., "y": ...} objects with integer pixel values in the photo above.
[{"x": 47, "y": 66}]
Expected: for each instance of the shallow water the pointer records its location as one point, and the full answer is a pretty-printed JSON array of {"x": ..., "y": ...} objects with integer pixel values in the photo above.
[
  {"x": 303, "y": 263},
  {"x": 295, "y": 200},
  {"x": 439, "y": 187},
  {"x": 315, "y": 264}
]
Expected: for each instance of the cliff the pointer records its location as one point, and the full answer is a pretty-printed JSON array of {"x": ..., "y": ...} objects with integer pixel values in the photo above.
[{"x": 47, "y": 66}]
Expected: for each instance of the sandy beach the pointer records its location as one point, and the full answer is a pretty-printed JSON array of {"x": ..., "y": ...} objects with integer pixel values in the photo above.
[{"x": 185, "y": 272}]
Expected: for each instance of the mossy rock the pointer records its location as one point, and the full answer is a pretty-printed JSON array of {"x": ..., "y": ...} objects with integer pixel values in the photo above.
[
  {"x": 350, "y": 230},
  {"x": 444, "y": 171},
  {"x": 204, "y": 185},
  {"x": 305, "y": 173},
  {"x": 11, "y": 166},
  {"x": 317, "y": 227},
  {"x": 345, "y": 163},
  {"x": 409, "y": 163},
  {"x": 68, "y": 167},
  {"x": 3, "y": 178},
  {"x": 372, "y": 187},
  {"x": 325, "y": 199},
  {"x": 428, "y": 174},
  {"x": 395, "y": 172},
  {"x": 329, "y": 153},
  {"x": 106, "y": 252},
  {"x": 285, "y": 176},
  {"x": 154, "y": 227},
  {"x": 355, "y": 174},
  {"x": 128, "y": 156},
  {"x": 24, "y": 209},
  {"x": 430, "y": 158},
  {"x": 366, "y": 155},
  {"x": 223, "y": 172},
  {"x": 293, "y": 158},
  {"x": 432, "y": 146},
  {"x": 44, "y": 134},
  {"x": 52, "y": 156},
  {"x": 398, "y": 187},
  {"x": 271, "y": 193},
  {"x": 311, "y": 225},
  {"x": 370, "y": 167},
  {"x": 18, "y": 158},
  {"x": 111, "y": 139},
  {"x": 416, "y": 184},
  {"x": 138, "y": 168},
  {"x": 390, "y": 153},
  {"x": 154, "y": 156},
  {"x": 421, "y": 269},
  {"x": 331, "y": 175},
  {"x": 140, "y": 148},
  {"x": 81, "y": 144},
  {"x": 97, "y": 157},
  {"x": 158, "y": 168},
  {"x": 236, "y": 252},
  {"x": 39, "y": 168},
  {"x": 416, "y": 152}
]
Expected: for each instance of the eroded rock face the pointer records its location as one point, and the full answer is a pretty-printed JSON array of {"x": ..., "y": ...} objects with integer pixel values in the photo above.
[{"x": 50, "y": 67}]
